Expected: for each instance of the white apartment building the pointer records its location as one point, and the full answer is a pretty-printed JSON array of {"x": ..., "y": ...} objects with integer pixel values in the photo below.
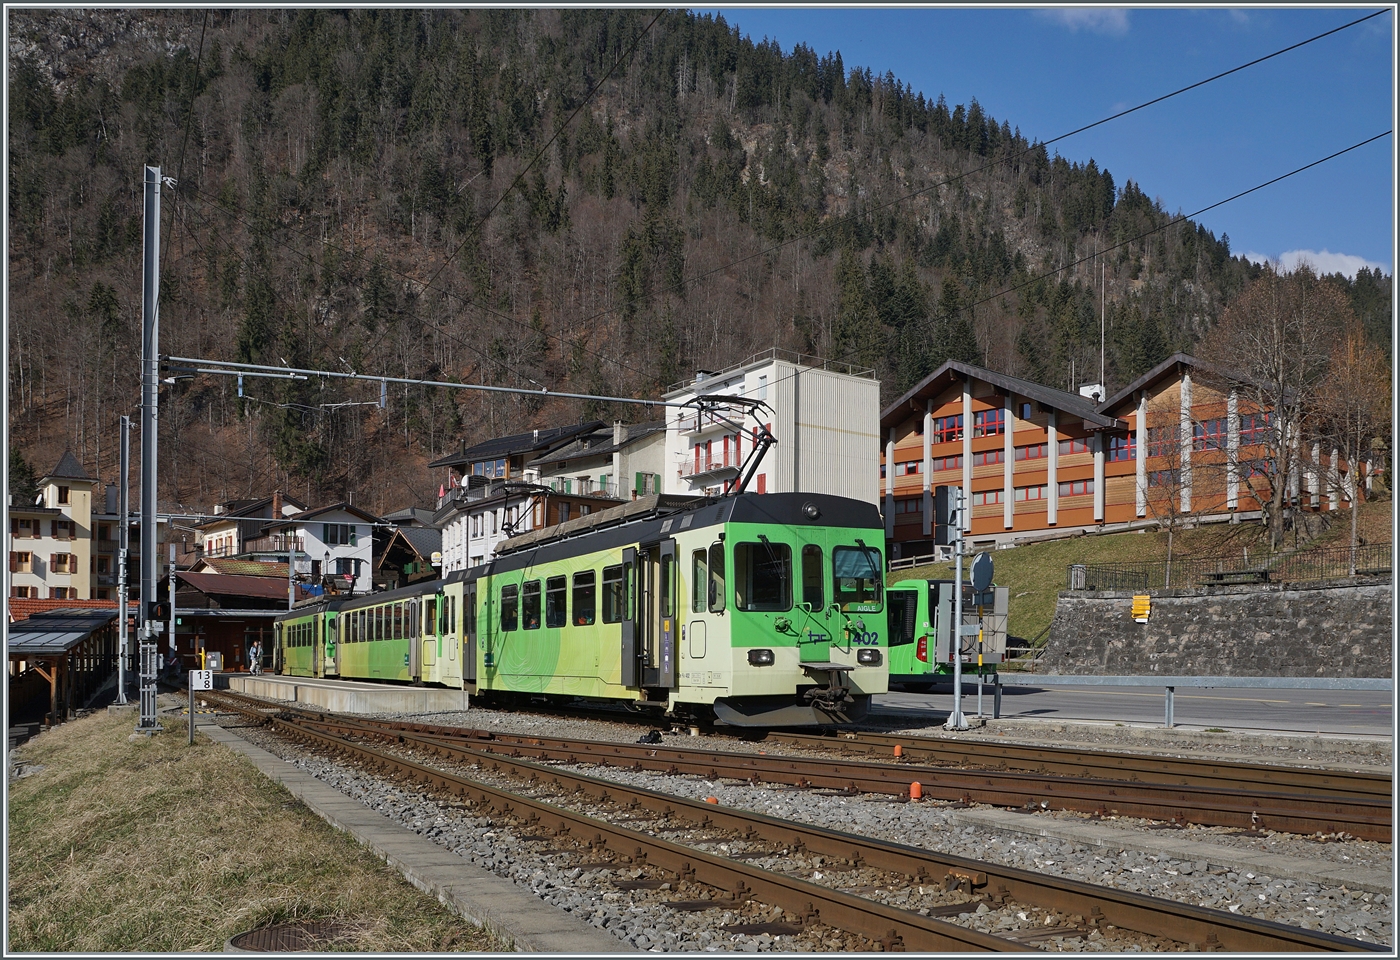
[
  {"x": 336, "y": 540},
  {"x": 824, "y": 416}
]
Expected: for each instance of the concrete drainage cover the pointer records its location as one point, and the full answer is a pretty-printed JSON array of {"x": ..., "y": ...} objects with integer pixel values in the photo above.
[{"x": 291, "y": 937}]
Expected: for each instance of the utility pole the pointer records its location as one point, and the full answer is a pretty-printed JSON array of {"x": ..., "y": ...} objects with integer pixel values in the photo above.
[
  {"x": 956, "y": 720},
  {"x": 123, "y": 512},
  {"x": 150, "y": 398}
]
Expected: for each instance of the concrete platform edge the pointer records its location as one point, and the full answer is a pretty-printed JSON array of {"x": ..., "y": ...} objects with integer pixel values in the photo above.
[
  {"x": 476, "y": 894},
  {"x": 1264, "y": 864}
]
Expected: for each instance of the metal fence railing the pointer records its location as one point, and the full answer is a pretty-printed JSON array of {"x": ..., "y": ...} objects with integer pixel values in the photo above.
[{"x": 1334, "y": 563}]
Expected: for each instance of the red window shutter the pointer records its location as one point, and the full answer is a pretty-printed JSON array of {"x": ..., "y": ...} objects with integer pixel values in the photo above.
[
  {"x": 53, "y": 528},
  {"x": 14, "y": 561},
  {"x": 763, "y": 483},
  {"x": 53, "y": 561},
  {"x": 726, "y": 449}
]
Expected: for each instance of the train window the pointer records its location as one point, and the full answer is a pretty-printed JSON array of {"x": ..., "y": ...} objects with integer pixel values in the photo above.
[
  {"x": 668, "y": 585},
  {"x": 399, "y": 632},
  {"x": 585, "y": 597},
  {"x": 430, "y": 617},
  {"x": 614, "y": 594},
  {"x": 510, "y": 607},
  {"x": 470, "y": 610},
  {"x": 812, "y": 578},
  {"x": 556, "y": 600},
  {"x": 717, "y": 578},
  {"x": 856, "y": 571},
  {"x": 763, "y": 576},
  {"x": 699, "y": 581},
  {"x": 903, "y": 618},
  {"x": 530, "y": 605}
]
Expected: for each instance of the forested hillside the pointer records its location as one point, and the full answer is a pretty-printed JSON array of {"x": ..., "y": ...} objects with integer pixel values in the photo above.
[{"x": 384, "y": 191}]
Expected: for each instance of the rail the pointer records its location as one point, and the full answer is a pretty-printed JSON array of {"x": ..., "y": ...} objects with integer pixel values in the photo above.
[{"x": 1307, "y": 566}]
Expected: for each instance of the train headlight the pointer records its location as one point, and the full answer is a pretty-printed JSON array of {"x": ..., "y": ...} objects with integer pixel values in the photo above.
[
  {"x": 869, "y": 657},
  {"x": 761, "y": 658}
]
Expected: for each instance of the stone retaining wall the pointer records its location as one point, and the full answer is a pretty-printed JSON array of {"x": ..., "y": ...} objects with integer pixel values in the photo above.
[{"x": 1288, "y": 630}]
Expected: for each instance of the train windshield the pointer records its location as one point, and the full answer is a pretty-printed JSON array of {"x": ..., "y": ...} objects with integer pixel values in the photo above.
[{"x": 858, "y": 583}]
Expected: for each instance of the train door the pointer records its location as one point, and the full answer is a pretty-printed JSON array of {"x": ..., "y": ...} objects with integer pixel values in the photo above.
[
  {"x": 661, "y": 631},
  {"x": 630, "y": 638},
  {"x": 469, "y": 616},
  {"x": 428, "y": 634},
  {"x": 276, "y": 648},
  {"x": 413, "y": 633},
  {"x": 317, "y": 634},
  {"x": 332, "y": 648}
]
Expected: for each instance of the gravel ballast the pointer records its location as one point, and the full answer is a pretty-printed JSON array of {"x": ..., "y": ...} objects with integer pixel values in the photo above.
[{"x": 1301, "y": 902}]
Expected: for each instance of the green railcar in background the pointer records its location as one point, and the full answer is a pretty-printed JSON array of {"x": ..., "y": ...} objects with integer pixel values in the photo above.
[{"x": 920, "y": 617}]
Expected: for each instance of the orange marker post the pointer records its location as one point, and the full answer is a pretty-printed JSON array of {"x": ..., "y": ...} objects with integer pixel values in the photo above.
[
  {"x": 916, "y": 792},
  {"x": 898, "y": 751}
]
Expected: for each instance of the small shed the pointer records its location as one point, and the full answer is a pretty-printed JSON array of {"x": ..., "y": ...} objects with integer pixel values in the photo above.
[{"x": 59, "y": 660}]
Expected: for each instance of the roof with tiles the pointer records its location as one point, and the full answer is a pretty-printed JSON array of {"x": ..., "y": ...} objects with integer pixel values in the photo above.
[
  {"x": 22, "y": 608},
  {"x": 68, "y": 469}
]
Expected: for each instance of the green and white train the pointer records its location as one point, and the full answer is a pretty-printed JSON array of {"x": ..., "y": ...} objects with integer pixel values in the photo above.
[{"x": 756, "y": 610}]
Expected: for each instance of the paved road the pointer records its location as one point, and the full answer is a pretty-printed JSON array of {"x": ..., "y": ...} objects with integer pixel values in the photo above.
[{"x": 1365, "y": 712}]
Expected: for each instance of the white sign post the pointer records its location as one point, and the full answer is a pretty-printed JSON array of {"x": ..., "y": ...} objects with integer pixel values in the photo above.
[{"x": 199, "y": 680}]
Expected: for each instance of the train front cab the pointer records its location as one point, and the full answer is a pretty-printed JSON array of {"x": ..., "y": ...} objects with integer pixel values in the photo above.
[{"x": 806, "y": 625}]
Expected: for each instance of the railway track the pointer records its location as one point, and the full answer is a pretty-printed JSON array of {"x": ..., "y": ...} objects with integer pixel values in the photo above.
[
  {"x": 964, "y": 885},
  {"x": 1036, "y": 758},
  {"x": 1222, "y": 802},
  {"x": 1100, "y": 764}
]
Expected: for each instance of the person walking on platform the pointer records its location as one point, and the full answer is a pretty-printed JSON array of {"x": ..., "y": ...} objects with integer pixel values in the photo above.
[{"x": 255, "y": 657}]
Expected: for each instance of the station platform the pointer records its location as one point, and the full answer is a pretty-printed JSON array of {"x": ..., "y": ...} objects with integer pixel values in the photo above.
[{"x": 346, "y": 696}]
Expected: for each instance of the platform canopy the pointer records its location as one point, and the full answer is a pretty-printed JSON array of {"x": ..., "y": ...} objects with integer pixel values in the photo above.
[{"x": 55, "y": 632}]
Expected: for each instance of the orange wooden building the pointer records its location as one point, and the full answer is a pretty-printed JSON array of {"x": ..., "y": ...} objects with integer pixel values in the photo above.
[{"x": 1040, "y": 462}]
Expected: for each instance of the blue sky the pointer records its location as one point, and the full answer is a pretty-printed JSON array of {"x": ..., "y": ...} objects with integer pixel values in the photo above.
[{"x": 1048, "y": 71}]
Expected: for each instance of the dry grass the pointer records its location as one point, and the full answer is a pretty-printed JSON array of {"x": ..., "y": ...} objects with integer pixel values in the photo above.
[
  {"x": 123, "y": 844},
  {"x": 1035, "y": 573}
]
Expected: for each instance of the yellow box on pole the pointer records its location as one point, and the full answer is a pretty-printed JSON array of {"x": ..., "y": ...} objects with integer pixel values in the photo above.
[{"x": 1142, "y": 607}]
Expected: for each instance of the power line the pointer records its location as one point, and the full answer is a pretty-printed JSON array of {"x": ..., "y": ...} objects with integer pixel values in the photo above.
[
  {"x": 1175, "y": 221},
  {"x": 563, "y": 341},
  {"x": 987, "y": 166},
  {"x": 1170, "y": 223}
]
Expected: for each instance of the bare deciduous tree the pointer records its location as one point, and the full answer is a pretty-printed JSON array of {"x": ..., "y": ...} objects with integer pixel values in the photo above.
[
  {"x": 1272, "y": 348},
  {"x": 1354, "y": 408}
]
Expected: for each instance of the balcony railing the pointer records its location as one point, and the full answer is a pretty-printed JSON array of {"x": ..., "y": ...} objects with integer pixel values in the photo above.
[
  {"x": 586, "y": 487},
  {"x": 227, "y": 550},
  {"x": 274, "y": 544}
]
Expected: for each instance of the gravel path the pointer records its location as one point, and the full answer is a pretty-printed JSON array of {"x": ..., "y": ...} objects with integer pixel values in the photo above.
[{"x": 1337, "y": 910}]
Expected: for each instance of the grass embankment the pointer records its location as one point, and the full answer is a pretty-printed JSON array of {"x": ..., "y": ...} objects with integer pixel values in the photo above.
[
  {"x": 151, "y": 845},
  {"x": 1035, "y": 572}
]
